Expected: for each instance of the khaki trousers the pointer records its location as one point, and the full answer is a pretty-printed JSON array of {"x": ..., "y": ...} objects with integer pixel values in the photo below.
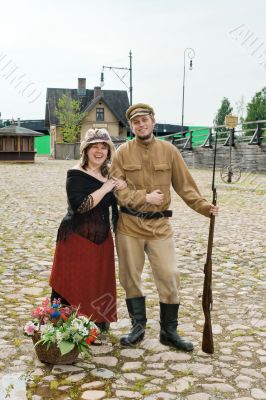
[{"x": 161, "y": 254}]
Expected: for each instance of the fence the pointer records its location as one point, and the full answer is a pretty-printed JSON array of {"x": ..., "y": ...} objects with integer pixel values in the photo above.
[
  {"x": 244, "y": 146},
  {"x": 66, "y": 151},
  {"x": 253, "y": 133}
]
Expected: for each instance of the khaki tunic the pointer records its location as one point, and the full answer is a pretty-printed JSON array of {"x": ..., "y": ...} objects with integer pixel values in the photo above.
[{"x": 146, "y": 167}]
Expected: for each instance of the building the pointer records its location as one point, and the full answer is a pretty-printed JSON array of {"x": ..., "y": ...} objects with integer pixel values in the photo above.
[
  {"x": 17, "y": 143},
  {"x": 41, "y": 143},
  {"x": 102, "y": 108}
]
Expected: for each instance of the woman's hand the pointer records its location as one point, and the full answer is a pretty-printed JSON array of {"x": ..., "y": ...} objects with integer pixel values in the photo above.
[
  {"x": 120, "y": 184},
  {"x": 109, "y": 185}
]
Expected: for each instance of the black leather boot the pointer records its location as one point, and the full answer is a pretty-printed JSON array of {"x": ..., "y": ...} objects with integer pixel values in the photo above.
[
  {"x": 168, "y": 334},
  {"x": 103, "y": 326},
  {"x": 137, "y": 312}
]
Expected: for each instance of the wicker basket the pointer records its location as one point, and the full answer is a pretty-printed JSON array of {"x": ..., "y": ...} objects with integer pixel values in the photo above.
[{"x": 53, "y": 354}]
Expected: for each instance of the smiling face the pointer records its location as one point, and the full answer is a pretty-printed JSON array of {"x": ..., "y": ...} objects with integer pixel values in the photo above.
[
  {"x": 97, "y": 154},
  {"x": 142, "y": 126}
]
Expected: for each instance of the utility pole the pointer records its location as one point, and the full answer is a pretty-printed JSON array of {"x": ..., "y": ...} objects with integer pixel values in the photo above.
[{"x": 114, "y": 69}]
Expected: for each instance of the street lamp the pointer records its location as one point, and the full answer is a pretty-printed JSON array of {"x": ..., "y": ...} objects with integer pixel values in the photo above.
[{"x": 190, "y": 53}]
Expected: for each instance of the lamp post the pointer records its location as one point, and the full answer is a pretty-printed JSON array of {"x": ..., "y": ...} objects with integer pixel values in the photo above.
[{"x": 190, "y": 53}]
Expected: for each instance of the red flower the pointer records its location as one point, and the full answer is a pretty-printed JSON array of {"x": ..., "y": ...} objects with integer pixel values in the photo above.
[
  {"x": 92, "y": 337},
  {"x": 64, "y": 317}
]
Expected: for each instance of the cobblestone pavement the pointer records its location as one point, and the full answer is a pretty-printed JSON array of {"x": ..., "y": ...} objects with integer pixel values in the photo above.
[{"x": 32, "y": 202}]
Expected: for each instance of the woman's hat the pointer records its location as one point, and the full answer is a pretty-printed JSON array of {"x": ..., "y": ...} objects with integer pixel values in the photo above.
[{"x": 96, "y": 136}]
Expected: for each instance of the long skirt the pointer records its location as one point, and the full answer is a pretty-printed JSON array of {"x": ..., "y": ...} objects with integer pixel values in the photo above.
[{"x": 83, "y": 273}]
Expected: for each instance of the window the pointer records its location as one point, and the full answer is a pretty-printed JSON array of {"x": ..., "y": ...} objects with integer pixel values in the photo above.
[
  {"x": 99, "y": 114},
  {"x": 1, "y": 144}
]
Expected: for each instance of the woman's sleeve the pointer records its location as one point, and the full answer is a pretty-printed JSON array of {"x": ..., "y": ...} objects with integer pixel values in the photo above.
[
  {"x": 86, "y": 205},
  {"x": 79, "y": 198}
]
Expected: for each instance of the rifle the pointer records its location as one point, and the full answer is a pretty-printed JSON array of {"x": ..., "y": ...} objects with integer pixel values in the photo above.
[{"x": 207, "y": 301}]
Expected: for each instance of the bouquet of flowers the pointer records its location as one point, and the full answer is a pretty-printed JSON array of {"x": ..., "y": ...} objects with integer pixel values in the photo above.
[{"x": 54, "y": 324}]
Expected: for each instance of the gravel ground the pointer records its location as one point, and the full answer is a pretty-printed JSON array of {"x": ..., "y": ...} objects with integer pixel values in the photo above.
[{"x": 32, "y": 203}]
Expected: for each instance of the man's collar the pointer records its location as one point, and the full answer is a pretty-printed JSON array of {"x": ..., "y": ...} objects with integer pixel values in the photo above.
[{"x": 143, "y": 143}]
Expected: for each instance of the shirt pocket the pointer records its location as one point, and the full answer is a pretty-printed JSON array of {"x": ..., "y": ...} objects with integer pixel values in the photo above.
[
  {"x": 162, "y": 174},
  {"x": 133, "y": 174}
]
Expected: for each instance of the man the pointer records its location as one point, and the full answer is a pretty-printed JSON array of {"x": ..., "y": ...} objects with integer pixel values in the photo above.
[{"x": 150, "y": 166}]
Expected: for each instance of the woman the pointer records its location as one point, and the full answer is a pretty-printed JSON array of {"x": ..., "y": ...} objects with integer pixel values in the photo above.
[{"x": 83, "y": 272}]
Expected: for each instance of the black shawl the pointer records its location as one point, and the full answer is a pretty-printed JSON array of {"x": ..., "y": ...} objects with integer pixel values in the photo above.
[{"x": 93, "y": 224}]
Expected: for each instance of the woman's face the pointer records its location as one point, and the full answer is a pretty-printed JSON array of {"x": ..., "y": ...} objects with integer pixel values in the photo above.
[{"x": 97, "y": 153}]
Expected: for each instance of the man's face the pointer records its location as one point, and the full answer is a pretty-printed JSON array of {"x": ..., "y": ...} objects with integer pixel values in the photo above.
[{"x": 142, "y": 126}]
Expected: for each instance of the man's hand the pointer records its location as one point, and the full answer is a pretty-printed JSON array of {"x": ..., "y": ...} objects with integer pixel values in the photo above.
[
  {"x": 214, "y": 210},
  {"x": 156, "y": 197}
]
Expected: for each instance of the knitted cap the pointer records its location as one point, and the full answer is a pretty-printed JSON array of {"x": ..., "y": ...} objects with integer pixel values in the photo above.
[
  {"x": 139, "y": 109},
  {"x": 96, "y": 136}
]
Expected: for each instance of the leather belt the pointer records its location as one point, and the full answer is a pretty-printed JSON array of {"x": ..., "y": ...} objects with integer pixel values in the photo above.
[{"x": 147, "y": 214}]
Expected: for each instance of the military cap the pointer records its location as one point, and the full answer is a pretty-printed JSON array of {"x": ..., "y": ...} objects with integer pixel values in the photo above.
[{"x": 139, "y": 109}]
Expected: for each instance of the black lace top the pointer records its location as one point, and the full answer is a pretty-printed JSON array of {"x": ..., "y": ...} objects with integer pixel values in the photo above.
[{"x": 91, "y": 223}]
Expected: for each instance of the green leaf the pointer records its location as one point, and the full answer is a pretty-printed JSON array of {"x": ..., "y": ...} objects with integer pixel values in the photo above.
[
  {"x": 65, "y": 347},
  {"x": 70, "y": 118},
  {"x": 85, "y": 350}
]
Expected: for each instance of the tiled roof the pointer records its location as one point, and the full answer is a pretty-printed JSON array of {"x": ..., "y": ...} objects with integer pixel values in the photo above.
[{"x": 116, "y": 100}]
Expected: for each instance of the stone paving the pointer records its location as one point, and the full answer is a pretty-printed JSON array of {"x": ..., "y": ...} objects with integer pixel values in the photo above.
[{"x": 32, "y": 203}]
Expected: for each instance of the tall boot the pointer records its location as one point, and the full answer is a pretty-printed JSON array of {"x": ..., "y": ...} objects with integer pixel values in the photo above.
[
  {"x": 169, "y": 322},
  {"x": 137, "y": 312},
  {"x": 103, "y": 326}
]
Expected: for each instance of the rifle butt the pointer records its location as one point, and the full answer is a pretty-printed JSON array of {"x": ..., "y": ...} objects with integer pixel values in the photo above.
[{"x": 207, "y": 339}]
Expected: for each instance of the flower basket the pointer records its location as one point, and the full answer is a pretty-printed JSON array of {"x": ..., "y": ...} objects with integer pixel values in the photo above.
[
  {"x": 60, "y": 333},
  {"x": 52, "y": 355}
]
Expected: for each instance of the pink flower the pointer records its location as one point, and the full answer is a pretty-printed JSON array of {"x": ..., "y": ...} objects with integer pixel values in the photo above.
[
  {"x": 30, "y": 328},
  {"x": 66, "y": 310},
  {"x": 37, "y": 312},
  {"x": 46, "y": 303}
]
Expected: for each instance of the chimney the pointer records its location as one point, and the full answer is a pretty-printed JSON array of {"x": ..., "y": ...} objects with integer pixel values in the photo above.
[
  {"x": 82, "y": 86},
  {"x": 97, "y": 91}
]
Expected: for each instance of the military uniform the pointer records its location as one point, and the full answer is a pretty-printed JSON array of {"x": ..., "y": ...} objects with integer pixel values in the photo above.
[{"x": 147, "y": 167}]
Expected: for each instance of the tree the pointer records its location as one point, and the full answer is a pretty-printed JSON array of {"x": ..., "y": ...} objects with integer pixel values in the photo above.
[
  {"x": 70, "y": 118},
  {"x": 224, "y": 110},
  {"x": 256, "y": 109}
]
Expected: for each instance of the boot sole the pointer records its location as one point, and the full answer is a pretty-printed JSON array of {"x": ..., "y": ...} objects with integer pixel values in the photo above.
[
  {"x": 171, "y": 344},
  {"x": 139, "y": 339}
]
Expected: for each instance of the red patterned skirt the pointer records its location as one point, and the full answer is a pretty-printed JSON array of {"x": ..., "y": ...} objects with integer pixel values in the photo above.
[{"x": 84, "y": 274}]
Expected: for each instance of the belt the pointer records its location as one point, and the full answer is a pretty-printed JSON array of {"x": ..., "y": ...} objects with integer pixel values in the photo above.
[{"x": 147, "y": 214}]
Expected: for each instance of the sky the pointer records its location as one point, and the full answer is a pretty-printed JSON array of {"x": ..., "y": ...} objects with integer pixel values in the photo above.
[{"x": 53, "y": 42}]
